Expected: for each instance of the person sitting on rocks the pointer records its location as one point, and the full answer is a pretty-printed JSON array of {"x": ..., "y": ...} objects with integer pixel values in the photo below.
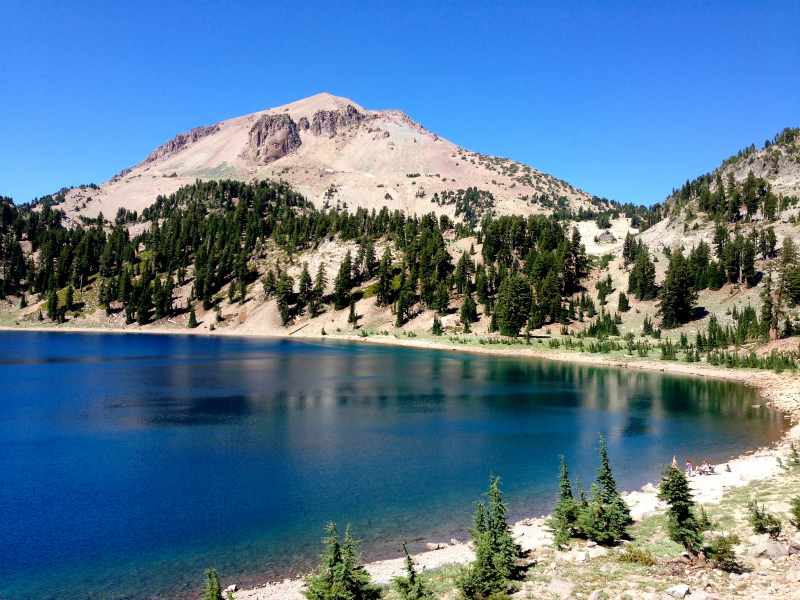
[{"x": 727, "y": 468}]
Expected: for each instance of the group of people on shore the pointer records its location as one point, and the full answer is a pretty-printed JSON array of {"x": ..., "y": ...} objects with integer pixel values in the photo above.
[{"x": 705, "y": 469}]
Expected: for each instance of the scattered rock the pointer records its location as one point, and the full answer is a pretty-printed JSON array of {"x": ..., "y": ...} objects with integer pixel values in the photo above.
[
  {"x": 649, "y": 488},
  {"x": 232, "y": 588},
  {"x": 597, "y": 552},
  {"x": 562, "y": 589},
  {"x": 772, "y": 550},
  {"x": 596, "y": 595},
  {"x": 454, "y": 542},
  {"x": 432, "y": 546},
  {"x": 794, "y": 545},
  {"x": 702, "y": 595},
  {"x": 678, "y": 591}
]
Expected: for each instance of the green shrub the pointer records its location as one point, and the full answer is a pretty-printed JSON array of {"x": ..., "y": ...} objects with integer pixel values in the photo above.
[
  {"x": 495, "y": 550},
  {"x": 411, "y": 586},
  {"x": 703, "y": 522},
  {"x": 637, "y": 555},
  {"x": 213, "y": 590},
  {"x": 721, "y": 552},
  {"x": 606, "y": 518},
  {"x": 794, "y": 512},
  {"x": 338, "y": 577},
  {"x": 682, "y": 522},
  {"x": 763, "y": 521}
]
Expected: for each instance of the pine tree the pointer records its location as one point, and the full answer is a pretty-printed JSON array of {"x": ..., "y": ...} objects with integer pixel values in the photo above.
[
  {"x": 565, "y": 514},
  {"x": 192, "y": 318},
  {"x": 69, "y": 298},
  {"x": 682, "y": 524},
  {"x": 318, "y": 293},
  {"x": 343, "y": 284},
  {"x": 624, "y": 305},
  {"x": 513, "y": 304},
  {"x": 305, "y": 291},
  {"x": 642, "y": 279},
  {"x": 213, "y": 589},
  {"x": 437, "y": 326},
  {"x": 353, "y": 317},
  {"x": 495, "y": 550},
  {"x": 469, "y": 310},
  {"x": 283, "y": 293},
  {"x": 412, "y": 586},
  {"x": 677, "y": 298},
  {"x": 338, "y": 577},
  {"x": 607, "y": 516},
  {"x": 52, "y": 304},
  {"x": 384, "y": 288}
]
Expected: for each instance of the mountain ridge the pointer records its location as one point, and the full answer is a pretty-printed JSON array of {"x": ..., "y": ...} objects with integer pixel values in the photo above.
[{"x": 331, "y": 149}]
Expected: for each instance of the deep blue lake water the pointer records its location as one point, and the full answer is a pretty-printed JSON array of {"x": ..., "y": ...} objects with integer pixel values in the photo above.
[{"x": 131, "y": 463}]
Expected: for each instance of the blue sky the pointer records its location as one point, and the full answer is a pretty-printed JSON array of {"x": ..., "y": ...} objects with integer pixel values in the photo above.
[{"x": 624, "y": 100}]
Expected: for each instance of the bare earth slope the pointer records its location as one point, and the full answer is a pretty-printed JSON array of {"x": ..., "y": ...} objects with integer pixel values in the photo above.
[{"x": 330, "y": 149}]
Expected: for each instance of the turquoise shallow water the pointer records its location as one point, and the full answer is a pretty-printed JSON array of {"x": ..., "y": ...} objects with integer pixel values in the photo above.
[{"x": 133, "y": 462}]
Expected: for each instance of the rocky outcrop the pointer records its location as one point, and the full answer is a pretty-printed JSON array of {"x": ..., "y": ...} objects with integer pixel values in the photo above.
[
  {"x": 273, "y": 137},
  {"x": 180, "y": 141},
  {"x": 329, "y": 121}
]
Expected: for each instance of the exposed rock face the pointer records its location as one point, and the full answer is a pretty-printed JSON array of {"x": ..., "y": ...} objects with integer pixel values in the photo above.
[
  {"x": 181, "y": 141},
  {"x": 327, "y": 121},
  {"x": 273, "y": 137},
  {"x": 303, "y": 124}
]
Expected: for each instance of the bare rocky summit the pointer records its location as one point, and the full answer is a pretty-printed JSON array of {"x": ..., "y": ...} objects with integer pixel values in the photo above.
[{"x": 335, "y": 152}]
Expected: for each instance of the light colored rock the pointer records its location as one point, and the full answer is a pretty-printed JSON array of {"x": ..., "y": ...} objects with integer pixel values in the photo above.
[
  {"x": 702, "y": 595},
  {"x": 766, "y": 563},
  {"x": 232, "y": 588},
  {"x": 454, "y": 542},
  {"x": 794, "y": 544},
  {"x": 442, "y": 546},
  {"x": 596, "y": 595},
  {"x": 431, "y": 546},
  {"x": 562, "y": 589},
  {"x": 649, "y": 489},
  {"x": 772, "y": 550},
  {"x": 678, "y": 591},
  {"x": 597, "y": 552},
  {"x": 780, "y": 507}
]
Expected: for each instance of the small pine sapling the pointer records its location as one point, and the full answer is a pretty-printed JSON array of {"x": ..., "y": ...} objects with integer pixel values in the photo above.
[
  {"x": 565, "y": 514},
  {"x": 213, "y": 590},
  {"x": 794, "y": 512},
  {"x": 411, "y": 586},
  {"x": 763, "y": 521},
  {"x": 682, "y": 524},
  {"x": 338, "y": 577},
  {"x": 192, "y": 318}
]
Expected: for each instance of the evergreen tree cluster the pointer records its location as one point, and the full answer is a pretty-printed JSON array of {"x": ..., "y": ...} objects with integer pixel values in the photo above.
[{"x": 603, "y": 518}]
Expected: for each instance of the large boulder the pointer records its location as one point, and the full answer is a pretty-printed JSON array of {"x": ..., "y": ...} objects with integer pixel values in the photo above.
[
  {"x": 560, "y": 588},
  {"x": 771, "y": 550},
  {"x": 678, "y": 591}
]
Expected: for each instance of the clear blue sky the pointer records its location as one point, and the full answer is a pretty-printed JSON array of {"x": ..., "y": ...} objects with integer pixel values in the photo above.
[{"x": 624, "y": 101}]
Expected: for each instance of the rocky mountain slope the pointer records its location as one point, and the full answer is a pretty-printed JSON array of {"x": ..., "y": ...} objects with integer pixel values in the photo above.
[{"x": 334, "y": 151}]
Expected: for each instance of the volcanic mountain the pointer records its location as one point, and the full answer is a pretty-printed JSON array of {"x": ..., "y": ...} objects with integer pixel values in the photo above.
[{"x": 335, "y": 152}]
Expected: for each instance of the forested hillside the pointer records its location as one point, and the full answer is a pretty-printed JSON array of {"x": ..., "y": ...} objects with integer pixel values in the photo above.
[
  {"x": 214, "y": 235},
  {"x": 713, "y": 273}
]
